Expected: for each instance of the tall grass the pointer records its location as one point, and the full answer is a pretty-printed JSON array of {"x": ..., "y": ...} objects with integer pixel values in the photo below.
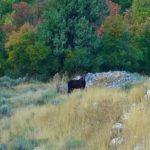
[
  {"x": 83, "y": 121},
  {"x": 137, "y": 130}
]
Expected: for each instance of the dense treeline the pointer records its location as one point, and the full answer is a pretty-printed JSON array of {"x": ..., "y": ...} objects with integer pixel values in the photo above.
[{"x": 45, "y": 37}]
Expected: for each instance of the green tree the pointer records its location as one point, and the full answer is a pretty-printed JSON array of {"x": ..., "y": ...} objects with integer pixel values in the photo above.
[
  {"x": 72, "y": 25},
  {"x": 141, "y": 9},
  {"x": 125, "y": 4},
  {"x": 76, "y": 61},
  {"x": 22, "y": 13},
  {"x": 2, "y": 53},
  {"x": 25, "y": 53},
  {"x": 117, "y": 49},
  {"x": 142, "y": 42}
]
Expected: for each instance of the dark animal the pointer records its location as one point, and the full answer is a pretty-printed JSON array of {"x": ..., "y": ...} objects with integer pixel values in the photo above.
[{"x": 76, "y": 84}]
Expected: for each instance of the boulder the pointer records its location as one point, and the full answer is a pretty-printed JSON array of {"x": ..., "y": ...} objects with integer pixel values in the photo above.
[
  {"x": 112, "y": 78},
  {"x": 117, "y": 141}
]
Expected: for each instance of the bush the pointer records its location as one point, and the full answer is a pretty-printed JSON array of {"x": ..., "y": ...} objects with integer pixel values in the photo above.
[
  {"x": 5, "y": 109},
  {"x": 75, "y": 143},
  {"x": 3, "y": 147},
  {"x": 47, "y": 97},
  {"x": 20, "y": 143}
]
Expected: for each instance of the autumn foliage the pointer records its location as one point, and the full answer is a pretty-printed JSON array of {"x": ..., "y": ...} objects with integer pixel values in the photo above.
[
  {"x": 114, "y": 8},
  {"x": 45, "y": 37},
  {"x": 22, "y": 13}
]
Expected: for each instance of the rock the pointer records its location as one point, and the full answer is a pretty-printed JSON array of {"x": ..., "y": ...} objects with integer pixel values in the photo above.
[
  {"x": 117, "y": 127},
  {"x": 113, "y": 78},
  {"x": 138, "y": 147},
  {"x": 90, "y": 79},
  {"x": 125, "y": 116},
  {"x": 147, "y": 94},
  {"x": 116, "y": 141}
]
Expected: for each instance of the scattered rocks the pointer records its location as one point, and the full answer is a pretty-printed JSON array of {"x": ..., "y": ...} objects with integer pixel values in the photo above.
[
  {"x": 113, "y": 78},
  {"x": 117, "y": 127},
  {"x": 126, "y": 115},
  {"x": 117, "y": 141}
]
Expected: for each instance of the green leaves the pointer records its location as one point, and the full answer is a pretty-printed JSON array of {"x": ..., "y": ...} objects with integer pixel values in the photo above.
[
  {"x": 119, "y": 52},
  {"x": 141, "y": 9},
  {"x": 71, "y": 26},
  {"x": 78, "y": 61},
  {"x": 25, "y": 53},
  {"x": 49, "y": 36}
]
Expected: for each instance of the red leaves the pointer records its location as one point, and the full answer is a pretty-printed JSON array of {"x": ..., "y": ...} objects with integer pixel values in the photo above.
[
  {"x": 113, "y": 7},
  {"x": 8, "y": 28},
  {"x": 101, "y": 31},
  {"x": 22, "y": 13}
]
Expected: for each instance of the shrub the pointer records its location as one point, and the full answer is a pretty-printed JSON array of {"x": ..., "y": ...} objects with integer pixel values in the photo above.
[
  {"x": 21, "y": 143},
  {"x": 47, "y": 97},
  {"x": 3, "y": 147},
  {"x": 75, "y": 143},
  {"x": 5, "y": 109}
]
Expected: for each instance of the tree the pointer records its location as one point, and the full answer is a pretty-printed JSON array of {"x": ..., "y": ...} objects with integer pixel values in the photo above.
[
  {"x": 125, "y": 4},
  {"x": 117, "y": 49},
  {"x": 25, "y": 53},
  {"x": 142, "y": 42},
  {"x": 2, "y": 53},
  {"x": 5, "y": 7},
  {"x": 72, "y": 26},
  {"x": 22, "y": 13},
  {"x": 141, "y": 9},
  {"x": 77, "y": 62}
]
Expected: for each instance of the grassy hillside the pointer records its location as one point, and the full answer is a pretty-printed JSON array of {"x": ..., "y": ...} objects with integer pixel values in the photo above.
[{"x": 41, "y": 119}]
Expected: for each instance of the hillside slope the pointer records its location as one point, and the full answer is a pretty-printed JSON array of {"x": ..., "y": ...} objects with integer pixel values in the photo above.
[{"x": 33, "y": 116}]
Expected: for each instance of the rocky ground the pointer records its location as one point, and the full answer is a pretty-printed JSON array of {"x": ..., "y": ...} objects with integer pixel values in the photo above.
[
  {"x": 113, "y": 78},
  {"x": 109, "y": 79}
]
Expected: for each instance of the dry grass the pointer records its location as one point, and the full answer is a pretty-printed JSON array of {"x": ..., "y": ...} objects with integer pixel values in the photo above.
[
  {"x": 85, "y": 118},
  {"x": 137, "y": 130}
]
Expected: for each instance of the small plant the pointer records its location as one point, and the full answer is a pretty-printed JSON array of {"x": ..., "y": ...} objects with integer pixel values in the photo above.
[
  {"x": 47, "y": 97},
  {"x": 21, "y": 143},
  {"x": 75, "y": 144},
  {"x": 4, "y": 109},
  {"x": 3, "y": 147},
  {"x": 127, "y": 86}
]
